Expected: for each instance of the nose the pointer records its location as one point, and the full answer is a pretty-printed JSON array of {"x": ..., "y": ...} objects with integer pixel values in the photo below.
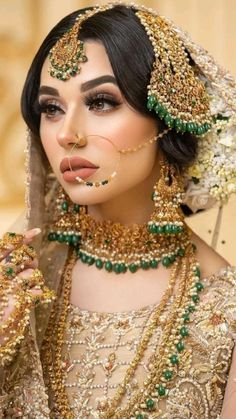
[{"x": 68, "y": 136}]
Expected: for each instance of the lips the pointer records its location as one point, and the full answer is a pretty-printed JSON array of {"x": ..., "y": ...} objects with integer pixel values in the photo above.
[{"x": 71, "y": 167}]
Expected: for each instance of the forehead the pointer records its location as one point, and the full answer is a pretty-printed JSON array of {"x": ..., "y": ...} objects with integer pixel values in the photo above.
[{"x": 97, "y": 65}]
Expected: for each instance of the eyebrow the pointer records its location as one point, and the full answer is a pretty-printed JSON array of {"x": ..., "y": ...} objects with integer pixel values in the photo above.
[
  {"x": 96, "y": 82},
  {"x": 84, "y": 87}
]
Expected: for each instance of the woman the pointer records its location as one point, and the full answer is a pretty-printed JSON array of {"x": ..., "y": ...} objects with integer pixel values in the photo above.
[{"x": 141, "y": 324}]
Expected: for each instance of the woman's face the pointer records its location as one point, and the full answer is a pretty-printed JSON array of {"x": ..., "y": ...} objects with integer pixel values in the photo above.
[{"x": 92, "y": 106}]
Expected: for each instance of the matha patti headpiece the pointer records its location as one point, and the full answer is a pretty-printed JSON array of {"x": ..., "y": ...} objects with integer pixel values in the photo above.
[
  {"x": 174, "y": 93},
  {"x": 68, "y": 51}
]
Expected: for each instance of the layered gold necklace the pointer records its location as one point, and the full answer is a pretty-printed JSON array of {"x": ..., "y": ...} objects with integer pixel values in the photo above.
[
  {"x": 184, "y": 285},
  {"x": 119, "y": 248}
]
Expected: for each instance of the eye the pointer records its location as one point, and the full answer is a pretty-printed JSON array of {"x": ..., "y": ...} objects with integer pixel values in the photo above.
[
  {"x": 101, "y": 102},
  {"x": 50, "y": 109}
]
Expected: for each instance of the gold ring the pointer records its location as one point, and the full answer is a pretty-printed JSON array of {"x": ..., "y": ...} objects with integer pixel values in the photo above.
[
  {"x": 23, "y": 254},
  {"x": 10, "y": 239}
]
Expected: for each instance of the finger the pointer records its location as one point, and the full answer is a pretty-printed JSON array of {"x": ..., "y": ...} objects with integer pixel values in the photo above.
[
  {"x": 31, "y": 234},
  {"x": 36, "y": 291},
  {"x": 28, "y": 237},
  {"x": 26, "y": 273}
]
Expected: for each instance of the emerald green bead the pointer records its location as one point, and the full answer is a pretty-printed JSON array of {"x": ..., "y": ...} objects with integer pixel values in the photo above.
[
  {"x": 74, "y": 239},
  {"x": 198, "y": 130},
  {"x": 61, "y": 238},
  {"x": 154, "y": 264},
  {"x": 123, "y": 268},
  {"x": 184, "y": 331},
  {"x": 166, "y": 261},
  {"x": 181, "y": 252},
  {"x": 158, "y": 107},
  {"x": 161, "y": 390},
  {"x": 52, "y": 237},
  {"x": 186, "y": 317},
  {"x": 191, "y": 308},
  {"x": 64, "y": 206},
  {"x": 169, "y": 121},
  {"x": 99, "y": 263},
  {"x": 150, "y": 404},
  {"x": 144, "y": 264},
  {"x": 76, "y": 208},
  {"x": 189, "y": 127},
  {"x": 151, "y": 228},
  {"x": 184, "y": 125},
  {"x": 168, "y": 374},
  {"x": 168, "y": 228},
  {"x": 9, "y": 271},
  {"x": 199, "y": 286},
  {"x": 162, "y": 113},
  {"x": 178, "y": 125},
  {"x": 133, "y": 267},
  {"x": 172, "y": 258},
  {"x": 180, "y": 346},
  {"x": 159, "y": 229},
  {"x": 117, "y": 268},
  {"x": 108, "y": 266},
  {"x": 83, "y": 257},
  {"x": 67, "y": 238},
  {"x": 12, "y": 234},
  {"x": 104, "y": 182},
  {"x": 90, "y": 260},
  {"x": 174, "y": 359},
  {"x": 151, "y": 102},
  {"x": 195, "y": 298},
  {"x": 175, "y": 229},
  {"x": 197, "y": 272},
  {"x": 139, "y": 416}
]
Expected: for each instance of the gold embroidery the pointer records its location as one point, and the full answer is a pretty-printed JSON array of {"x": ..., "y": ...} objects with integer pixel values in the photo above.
[{"x": 98, "y": 348}]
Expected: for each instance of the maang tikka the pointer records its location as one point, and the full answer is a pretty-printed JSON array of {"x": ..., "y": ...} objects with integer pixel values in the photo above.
[{"x": 175, "y": 93}]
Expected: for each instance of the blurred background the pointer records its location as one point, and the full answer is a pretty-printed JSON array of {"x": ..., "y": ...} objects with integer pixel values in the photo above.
[{"x": 23, "y": 26}]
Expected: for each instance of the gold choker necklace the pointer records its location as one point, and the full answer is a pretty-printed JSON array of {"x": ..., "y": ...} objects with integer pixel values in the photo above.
[{"x": 115, "y": 247}]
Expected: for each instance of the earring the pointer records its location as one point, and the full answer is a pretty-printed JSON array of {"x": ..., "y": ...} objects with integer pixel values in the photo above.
[
  {"x": 167, "y": 217},
  {"x": 65, "y": 226}
]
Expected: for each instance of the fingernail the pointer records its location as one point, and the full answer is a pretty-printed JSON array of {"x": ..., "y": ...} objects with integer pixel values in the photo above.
[{"x": 36, "y": 231}]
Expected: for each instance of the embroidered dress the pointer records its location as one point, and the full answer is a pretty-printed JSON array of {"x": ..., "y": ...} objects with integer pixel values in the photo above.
[{"x": 99, "y": 347}]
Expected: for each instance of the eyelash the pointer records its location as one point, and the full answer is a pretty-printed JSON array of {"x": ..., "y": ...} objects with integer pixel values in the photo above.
[{"x": 50, "y": 107}]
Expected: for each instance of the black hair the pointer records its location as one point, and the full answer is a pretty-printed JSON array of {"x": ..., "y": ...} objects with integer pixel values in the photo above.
[{"x": 131, "y": 56}]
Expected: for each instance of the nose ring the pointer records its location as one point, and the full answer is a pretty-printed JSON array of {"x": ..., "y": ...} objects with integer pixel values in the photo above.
[{"x": 81, "y": 141}]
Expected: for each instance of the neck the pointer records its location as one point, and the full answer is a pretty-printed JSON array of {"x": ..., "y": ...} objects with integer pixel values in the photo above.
[{"x": 132, "y": 207}]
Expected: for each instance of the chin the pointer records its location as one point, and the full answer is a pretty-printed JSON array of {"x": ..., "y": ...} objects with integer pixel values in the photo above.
[{"x": 84, "y": 195}]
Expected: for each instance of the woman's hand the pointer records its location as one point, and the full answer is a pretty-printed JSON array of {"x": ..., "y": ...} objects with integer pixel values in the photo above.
[
  {"x": 22, "y": 274},
  {"x": 21, "y": 288}
]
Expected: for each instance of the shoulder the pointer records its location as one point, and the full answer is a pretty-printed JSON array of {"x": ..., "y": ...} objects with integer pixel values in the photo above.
[{"x": 210, "y": 261}]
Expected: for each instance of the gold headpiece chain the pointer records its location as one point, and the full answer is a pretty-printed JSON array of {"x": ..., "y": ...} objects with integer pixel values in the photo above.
[{"x": 175, "y": 93}]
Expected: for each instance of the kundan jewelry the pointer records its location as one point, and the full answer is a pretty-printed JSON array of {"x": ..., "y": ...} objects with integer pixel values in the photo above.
[
  {"x": 185, "y": 275},
  {"x": 175, "y": 93},
  {"x": 119, "y": 248},
  {"x": 25, "y": 300}
]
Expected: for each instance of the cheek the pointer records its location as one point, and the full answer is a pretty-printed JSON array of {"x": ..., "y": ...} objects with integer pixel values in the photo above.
[
  {"x": 49, "y": 145},
  {"x": 129, "y": 129}
]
